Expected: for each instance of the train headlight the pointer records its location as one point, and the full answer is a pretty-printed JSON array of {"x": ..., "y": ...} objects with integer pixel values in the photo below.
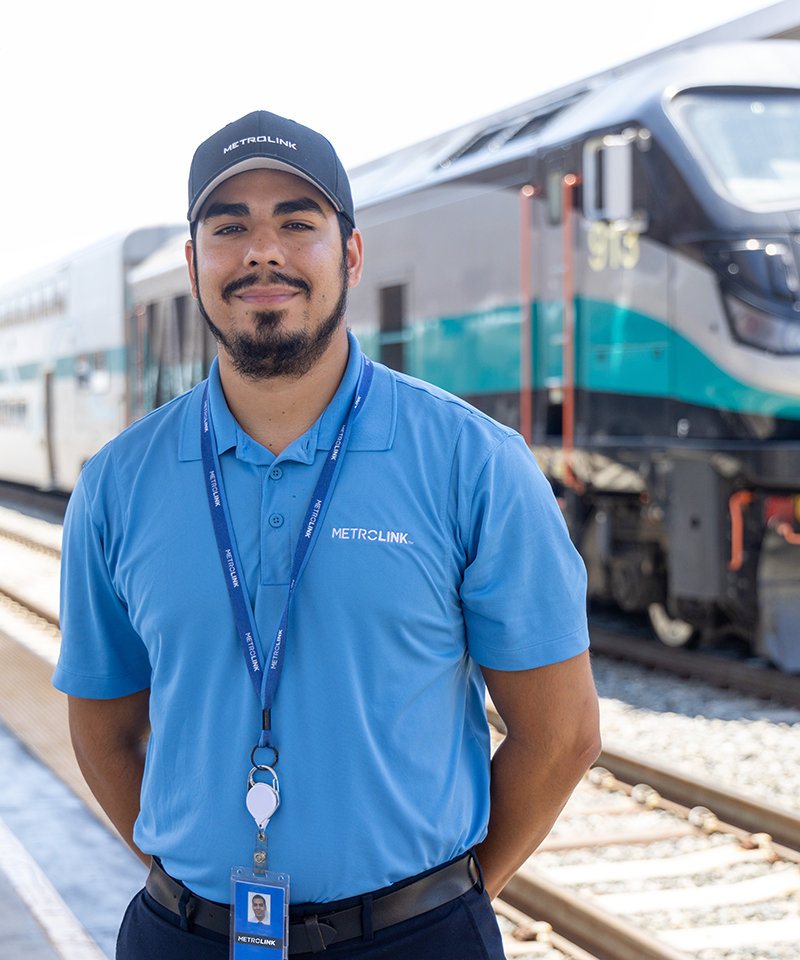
[{"x": 757, "y": 328}]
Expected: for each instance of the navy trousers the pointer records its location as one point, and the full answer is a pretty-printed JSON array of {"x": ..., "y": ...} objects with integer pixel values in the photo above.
[{"x": 463, "y": 929}]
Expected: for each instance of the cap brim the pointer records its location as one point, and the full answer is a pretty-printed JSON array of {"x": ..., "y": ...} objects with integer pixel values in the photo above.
[{"x": 256, "y": 163}]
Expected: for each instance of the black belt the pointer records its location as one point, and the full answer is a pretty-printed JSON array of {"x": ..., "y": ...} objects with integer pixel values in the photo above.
[{"x": 313, "y": 934}]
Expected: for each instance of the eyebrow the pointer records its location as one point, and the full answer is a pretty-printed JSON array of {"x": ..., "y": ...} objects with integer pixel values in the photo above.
[
  {"x": 297, "y": 206},
  {"x": 227, "y": 210},
  {"x": 301, "y": 204}
]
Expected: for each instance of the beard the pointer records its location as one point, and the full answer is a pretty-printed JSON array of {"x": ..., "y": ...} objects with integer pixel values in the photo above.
[{"x": 270, "y": 351}]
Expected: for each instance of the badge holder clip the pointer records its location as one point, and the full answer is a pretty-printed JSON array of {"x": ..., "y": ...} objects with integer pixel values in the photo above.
[{"x": 260, "y": 899}]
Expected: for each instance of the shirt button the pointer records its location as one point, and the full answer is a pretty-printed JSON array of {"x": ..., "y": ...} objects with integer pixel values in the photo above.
[
  {"x": 276, "y": 473},
  {"x": 276, "y": 520}
]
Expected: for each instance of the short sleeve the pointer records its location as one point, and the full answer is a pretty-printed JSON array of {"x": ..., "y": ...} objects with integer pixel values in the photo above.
[
  {"x": 524, "y": 588},
  {"x": 101, "y": 656}
]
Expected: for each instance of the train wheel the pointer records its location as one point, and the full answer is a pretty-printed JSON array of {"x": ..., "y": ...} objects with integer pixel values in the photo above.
[{"x": 671, "y": 632}]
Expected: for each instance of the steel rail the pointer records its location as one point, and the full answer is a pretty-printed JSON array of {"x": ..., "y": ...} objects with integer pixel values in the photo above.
[
  {"x": 538, "y": 931},
  {"x": 30, "y": 606},
  {"x": 591, "y": 928},
  {"x": 31, "y": 544},
  {"x": 726, "y": 803},
  {"x": 607, "y": 936},
  {"x": 729, "y": 674}
]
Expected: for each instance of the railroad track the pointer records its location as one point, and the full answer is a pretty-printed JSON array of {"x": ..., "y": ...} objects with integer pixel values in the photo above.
[
  {"x": 49, "y": 505},
  {"x": 30, "y": 555},
  {"x": 629, "y": 873},
  {"x": 768, "y": 684},
  {"x": 43, "y": 538},
  {"x": 644, "y": 863}
]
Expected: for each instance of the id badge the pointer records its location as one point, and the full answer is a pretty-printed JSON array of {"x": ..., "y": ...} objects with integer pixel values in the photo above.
[{"x": 259, "y": 915}]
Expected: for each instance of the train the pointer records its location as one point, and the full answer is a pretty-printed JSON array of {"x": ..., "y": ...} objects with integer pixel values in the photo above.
[
  {"x": 613, "y": 269},
  {"x": 69, "y": 368}
]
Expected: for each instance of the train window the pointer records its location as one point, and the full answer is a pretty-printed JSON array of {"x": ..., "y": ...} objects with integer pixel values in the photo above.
[
  {"x": 608, "y": 177},
  {"x": 392, "y": 318},
  {"x": 499, "y": 135},
  {"x": 50, "y": 297},
  {"x": 535, "y": 124},
  {"x": 62, "y": 294},
  {"x": 83, "y": 372},
  {"x": 554, "y": 178},
  {"x": 13, "y": 413},
  {"x": 748, "y": 141},
  {"x": 493, "y": 138}
]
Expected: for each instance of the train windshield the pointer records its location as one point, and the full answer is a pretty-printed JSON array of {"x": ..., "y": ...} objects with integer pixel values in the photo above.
[{"x": 748, "y": 142}]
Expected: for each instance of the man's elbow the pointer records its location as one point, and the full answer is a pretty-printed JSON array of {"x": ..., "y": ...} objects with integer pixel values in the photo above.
[
  {"x": 589, "y": 748},
  {"x": 582, "y": 748}
]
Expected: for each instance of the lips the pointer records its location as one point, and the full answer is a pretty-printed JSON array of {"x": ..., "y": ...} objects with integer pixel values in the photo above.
[
  {"x": 252, "y": 288},
  {"x": 271, "y": 295}
]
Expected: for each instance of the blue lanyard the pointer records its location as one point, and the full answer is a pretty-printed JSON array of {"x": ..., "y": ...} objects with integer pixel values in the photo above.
[{"x": 265, "y": 674}]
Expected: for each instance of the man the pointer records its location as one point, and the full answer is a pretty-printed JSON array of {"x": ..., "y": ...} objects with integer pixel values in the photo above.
[
  {"x": 259, "y": 905},
  {"x": 376, "y": 548}
]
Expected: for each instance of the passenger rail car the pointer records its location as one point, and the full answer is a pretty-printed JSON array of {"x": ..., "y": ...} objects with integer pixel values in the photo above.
[
  {"x": 614, "y": 269},
  {"x": 77, "y": 364},
  {"x": 662, "y": 207}
]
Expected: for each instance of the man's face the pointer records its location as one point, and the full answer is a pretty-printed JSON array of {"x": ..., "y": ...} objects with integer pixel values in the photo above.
[
  {"x": 259, "y": 908},
  {"x": 268, "y": 271}
]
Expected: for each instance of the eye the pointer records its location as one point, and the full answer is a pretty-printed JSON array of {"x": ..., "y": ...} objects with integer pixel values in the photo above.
[
  {"x": 228, "y": 229},
  {"x": 298, "y": 225}
]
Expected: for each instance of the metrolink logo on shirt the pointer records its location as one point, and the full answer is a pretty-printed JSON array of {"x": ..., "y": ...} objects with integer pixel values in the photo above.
[{"x": 361, "y": 533}]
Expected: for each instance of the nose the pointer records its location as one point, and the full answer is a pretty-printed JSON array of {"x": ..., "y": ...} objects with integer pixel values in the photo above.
[{"x": 265, "y": 249}]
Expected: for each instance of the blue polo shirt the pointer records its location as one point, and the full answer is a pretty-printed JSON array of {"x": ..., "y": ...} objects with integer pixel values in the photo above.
[{"x": 443, "y": 548}]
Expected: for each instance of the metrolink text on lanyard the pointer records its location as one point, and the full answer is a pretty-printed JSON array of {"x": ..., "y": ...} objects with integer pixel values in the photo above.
[{"x": 265, "y": 672}]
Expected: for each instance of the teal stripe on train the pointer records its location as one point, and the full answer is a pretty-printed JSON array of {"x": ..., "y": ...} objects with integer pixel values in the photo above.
[
  {"x": 473, "y": 353},
  {"x": 617, "y": 351},
  {"x": 622, "y": 351}
]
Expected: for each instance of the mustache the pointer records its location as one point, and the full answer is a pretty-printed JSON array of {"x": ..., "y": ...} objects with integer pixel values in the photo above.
[{"x": 254, "y": 279}]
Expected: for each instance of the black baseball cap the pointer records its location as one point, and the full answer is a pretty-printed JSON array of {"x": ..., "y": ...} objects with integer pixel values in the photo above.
[{"x": 263, "y": 140}]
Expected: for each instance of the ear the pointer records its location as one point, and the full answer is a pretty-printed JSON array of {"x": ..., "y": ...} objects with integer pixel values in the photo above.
[
  {"x": 189, "y": 251},
  {"x": 355, "y": 258}
]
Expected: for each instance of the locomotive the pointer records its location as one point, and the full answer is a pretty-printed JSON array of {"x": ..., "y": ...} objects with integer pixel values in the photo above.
[{"x": 612, "y": 268}]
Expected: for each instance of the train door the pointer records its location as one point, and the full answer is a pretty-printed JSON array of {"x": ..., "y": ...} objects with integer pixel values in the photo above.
[
  {"x": 622, "y": 307},
  {"x": 50, "y": 429},
  {"x": 614, "y": 282},
  {"x": 548, "y": 294}
]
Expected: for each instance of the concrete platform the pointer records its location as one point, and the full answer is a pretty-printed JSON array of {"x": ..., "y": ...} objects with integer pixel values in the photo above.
[
  {"x": 57, "y": 860},
  {"x": 20, "y": 935}
]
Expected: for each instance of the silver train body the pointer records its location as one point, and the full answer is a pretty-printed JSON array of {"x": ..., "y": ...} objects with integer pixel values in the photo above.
[
  {"x": 635, "y": 310},
  {"x": 68, "y": 360}
]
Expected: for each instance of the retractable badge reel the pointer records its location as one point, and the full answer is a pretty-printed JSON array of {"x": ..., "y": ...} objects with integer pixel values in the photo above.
[{"x": 260, "y": 899}]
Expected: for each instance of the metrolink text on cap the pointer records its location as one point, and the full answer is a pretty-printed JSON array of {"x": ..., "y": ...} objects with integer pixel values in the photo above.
[{"x": 261, "y": 141}]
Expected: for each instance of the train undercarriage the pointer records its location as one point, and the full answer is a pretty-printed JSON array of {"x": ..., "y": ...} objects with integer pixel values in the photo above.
[{"x": 686, "y": 540}]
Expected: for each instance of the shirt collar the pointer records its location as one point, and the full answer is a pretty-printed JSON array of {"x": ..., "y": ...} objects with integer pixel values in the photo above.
[{"x": 373, "y": 429}]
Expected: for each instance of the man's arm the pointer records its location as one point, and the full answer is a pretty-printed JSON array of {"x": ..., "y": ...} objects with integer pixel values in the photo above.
[
  {"x": 553, "y": 738},
  {"x": 110, "y": 740}
]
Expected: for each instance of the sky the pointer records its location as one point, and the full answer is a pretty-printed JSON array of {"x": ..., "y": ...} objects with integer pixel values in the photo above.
[{"x": 103, "y": 104}]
